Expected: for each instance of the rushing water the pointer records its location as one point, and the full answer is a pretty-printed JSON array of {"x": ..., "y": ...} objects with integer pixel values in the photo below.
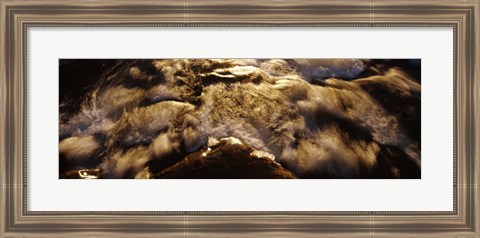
[{"x": 317, "y": 118}]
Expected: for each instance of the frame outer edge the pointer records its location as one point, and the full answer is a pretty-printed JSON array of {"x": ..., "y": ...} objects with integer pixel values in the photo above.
[
  {"x": 3, "y": 113},
  {"x": 476, "y": 108},
  {"x": 9, "y": 116}
]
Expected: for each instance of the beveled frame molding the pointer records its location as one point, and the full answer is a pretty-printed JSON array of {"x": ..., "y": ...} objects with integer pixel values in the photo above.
[{"x": 17, "y": 16}]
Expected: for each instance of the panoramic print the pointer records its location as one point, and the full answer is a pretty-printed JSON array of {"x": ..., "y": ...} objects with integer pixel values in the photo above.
[{"x": 239, "y": 119}]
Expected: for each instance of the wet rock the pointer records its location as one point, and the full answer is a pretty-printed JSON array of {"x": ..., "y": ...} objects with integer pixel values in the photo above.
[
  {"x": 82, "y": 174},
  {"x": 230, "y": 158}
]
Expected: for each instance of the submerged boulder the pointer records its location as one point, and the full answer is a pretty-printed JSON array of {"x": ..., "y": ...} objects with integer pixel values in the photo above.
[{"x": 230, "y": 158}]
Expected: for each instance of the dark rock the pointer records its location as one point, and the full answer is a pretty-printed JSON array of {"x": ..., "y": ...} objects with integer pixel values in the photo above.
[
  {"x": 229, "y": 159},
  {"x": 82, "y": 174}
]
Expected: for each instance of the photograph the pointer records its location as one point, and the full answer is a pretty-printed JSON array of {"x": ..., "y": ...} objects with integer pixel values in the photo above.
[{"x": 240, "y": 118}]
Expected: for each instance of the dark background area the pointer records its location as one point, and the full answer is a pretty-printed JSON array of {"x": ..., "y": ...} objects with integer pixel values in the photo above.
[{"x": 77, "y": 78}]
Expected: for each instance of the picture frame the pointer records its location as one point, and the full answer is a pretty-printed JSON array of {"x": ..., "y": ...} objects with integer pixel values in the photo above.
[{"x": 17, "y": 16}]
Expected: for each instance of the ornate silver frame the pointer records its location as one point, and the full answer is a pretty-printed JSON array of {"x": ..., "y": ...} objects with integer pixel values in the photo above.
[{"x": 17, "y": 16}]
